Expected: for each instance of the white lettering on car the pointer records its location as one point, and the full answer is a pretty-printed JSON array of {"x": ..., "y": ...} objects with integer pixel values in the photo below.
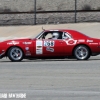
[
  {"x": 89, "y": 40},
  {"x": 81, "y": 40},
  {"x": 93, "y": 43},
  {"x": 27, "y": 42},
  {"x": 13, "y": 43}
]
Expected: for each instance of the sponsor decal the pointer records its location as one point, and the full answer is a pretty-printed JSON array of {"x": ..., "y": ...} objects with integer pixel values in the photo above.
[
  {"x": 28, "y": 53},
  {"x": 26, "y": 48},
  {"x": 13, "y": 43},
  {"x": 89, "y": 40},
  {"x": 49, "y": 43},
  {"x": 81, "y": 40},
  {"x": 71, "y": 42},
  {"x": 50, "y": 49},
  {"x": 27, "y": 42},
  {"x": 39, "y": 47},
  {"x": 94, "y": 43}
]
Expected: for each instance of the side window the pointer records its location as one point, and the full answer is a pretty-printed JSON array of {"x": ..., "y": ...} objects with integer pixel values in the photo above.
[
  {"x": 57, "y": 35},
  {"x": 66, "y": 35},
  {"x": 51, "y": 35},
  {"x": 48, "y": 36}
]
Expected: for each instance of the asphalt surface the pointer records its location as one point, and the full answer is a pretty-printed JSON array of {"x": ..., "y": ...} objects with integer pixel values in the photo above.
[{"x": 60, "y": 79}]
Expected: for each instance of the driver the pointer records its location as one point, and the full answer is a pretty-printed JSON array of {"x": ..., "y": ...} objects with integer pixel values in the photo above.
[{"x": 55, "y": 35}]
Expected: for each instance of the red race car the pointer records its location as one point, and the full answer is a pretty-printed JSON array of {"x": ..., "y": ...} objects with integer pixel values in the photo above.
[{"x": 51, "y": 44}]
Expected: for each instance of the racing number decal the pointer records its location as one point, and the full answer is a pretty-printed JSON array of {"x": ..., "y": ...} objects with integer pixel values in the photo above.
[{"x": 49, "y": 43}]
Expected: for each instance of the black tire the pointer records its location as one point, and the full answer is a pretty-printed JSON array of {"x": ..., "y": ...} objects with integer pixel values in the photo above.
[
  {"x": 15, "y": 54},
  {"x": 82, "y": 52}
]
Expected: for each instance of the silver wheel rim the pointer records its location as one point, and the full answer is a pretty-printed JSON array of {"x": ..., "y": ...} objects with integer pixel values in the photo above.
[
  {"x": 16, "y": 53},
  {"x": 81, "y": 52}
]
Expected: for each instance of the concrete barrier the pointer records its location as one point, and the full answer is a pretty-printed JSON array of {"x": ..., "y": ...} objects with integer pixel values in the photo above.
[{"x": 45, "y": 5}]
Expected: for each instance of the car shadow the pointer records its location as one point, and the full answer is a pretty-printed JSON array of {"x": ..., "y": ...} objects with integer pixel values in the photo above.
[
  {"x": 39, "y": 60},
  {"x": 46, "y": 60},
  {"x": 49, "y": 60}
]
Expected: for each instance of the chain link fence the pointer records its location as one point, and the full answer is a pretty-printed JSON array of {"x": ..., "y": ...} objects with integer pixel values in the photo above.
[{"x": 32, "y": 12}]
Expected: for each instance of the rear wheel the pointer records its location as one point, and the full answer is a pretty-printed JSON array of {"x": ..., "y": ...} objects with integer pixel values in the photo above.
[
  {"x": 82, "y": 52},
  {"x": 15, "y": 54}
]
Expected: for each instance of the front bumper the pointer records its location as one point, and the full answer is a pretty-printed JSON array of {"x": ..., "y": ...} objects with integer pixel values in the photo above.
[{"x": 2, "y": 55}]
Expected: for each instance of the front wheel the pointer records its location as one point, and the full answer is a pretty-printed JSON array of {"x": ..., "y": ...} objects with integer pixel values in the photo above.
[
  {"x": 15, "y": 54},
  {"x": 81, "y": 52}
]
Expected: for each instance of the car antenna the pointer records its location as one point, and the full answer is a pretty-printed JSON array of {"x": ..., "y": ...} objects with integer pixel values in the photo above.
[{"x": 43, "y": 28}]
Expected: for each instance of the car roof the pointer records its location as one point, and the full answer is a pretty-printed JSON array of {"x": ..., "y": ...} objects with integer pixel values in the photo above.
[{"x": 74, "y": 33}]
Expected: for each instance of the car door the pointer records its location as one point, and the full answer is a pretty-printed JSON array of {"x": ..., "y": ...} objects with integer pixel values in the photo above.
[
  {"x": 47, "y": 46},
  {"x": 53, "y": 47}
]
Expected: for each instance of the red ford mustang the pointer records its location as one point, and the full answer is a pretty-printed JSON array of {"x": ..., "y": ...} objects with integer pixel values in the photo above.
[{"x": 51, "y": 44}]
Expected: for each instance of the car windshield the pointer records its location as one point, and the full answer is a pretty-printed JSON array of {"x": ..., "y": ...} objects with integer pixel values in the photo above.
[{"x": 39, "y": 34}]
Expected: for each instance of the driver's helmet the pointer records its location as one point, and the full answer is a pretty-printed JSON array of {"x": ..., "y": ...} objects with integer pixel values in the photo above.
[{"x": 55, "y": 35}]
